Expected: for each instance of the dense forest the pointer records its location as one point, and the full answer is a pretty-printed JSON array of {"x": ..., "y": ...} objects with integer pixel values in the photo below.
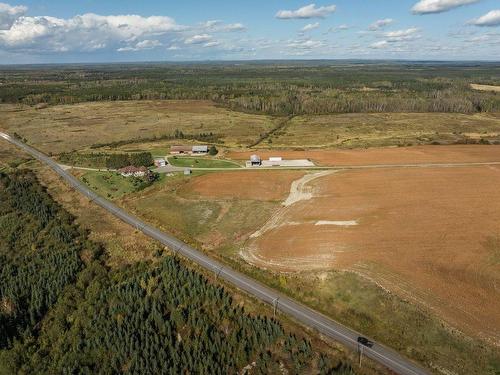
[
  {"x": 282, "y": 88},
  {"x": 62, "y": 310}
]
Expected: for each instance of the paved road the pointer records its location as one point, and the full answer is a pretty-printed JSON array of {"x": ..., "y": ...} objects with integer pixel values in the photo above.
[{"x": 305, "y": 315}]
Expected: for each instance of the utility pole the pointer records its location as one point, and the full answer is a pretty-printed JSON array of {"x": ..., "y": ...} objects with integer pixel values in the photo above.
[
  {"x": 360, "y": 350},
  {"x": 218, "y": 272},
  {"x": 275, "y": 306}
]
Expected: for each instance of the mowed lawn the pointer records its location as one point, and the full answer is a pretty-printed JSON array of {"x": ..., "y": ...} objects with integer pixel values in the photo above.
[
  {"x": 201, "y": 162},
  {"x": 109, "y": 185},
  {"x": 65, "y": 128}
]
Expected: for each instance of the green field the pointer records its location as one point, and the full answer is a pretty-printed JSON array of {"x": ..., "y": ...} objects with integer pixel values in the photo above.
[
  {"x": 111, "y": 185},
  {"x": 203, "y": 162}
]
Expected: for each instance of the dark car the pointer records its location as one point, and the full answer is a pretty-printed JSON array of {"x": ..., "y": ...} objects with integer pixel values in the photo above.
[{"x": 364, "y": 341}]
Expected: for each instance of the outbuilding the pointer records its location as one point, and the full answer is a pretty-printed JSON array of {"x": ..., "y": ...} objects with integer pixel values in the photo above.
[
  {"x": 255, "y": 160},
  {"x": 176, "y": 150},
  {"x": 200, "y": 149},
  {"x": 160, "y": 162}
]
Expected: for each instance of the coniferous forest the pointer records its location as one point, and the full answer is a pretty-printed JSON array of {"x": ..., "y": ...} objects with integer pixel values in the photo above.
[{"x": 63, "y": 311}]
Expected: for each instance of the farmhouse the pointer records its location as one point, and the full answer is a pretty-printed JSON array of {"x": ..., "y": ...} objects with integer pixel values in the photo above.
[
  {"x": 198, "y": 150},
  {"x": 133, "y": 171},
  {"x": 160, "y": 162}
]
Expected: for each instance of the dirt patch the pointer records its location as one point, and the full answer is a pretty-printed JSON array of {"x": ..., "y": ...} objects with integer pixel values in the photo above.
[
  {"x": 393, "y": 155},
  {"x": 420, "y": 233},
  {"x": 255, "y": 185},
  {"x": 476, "y": 86},
  {"x": 300, "y": 189}
]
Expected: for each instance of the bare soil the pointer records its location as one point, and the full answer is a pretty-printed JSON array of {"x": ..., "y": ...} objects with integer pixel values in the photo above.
[
  {"x": 476, "y": 86},
  {"x": 422, "y": 233}
]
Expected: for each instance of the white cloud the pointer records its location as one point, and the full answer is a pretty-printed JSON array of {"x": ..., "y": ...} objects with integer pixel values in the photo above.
[
  {"x": 310, "y": 26},
  {"x": 305, "y": 44},
  {"x": 9, "y": 14},
  {"x": 211, "y": 44},
  {"x": 396, "y": 39},
  {"x": 211, "y": 24},
  {"x": 379, "y": 45},
  {"x": 142, "y": 45},
  {"x": 198, "y": 39},
  {"x": 438, "y": 6},
  {"x": 491, "y": 18},
  {"x": 219, "y": 26},
  {"x": 234, "y": 27},
  {"x": 400, "y": 35},
  {"x": 308, "y": 11},
  {"x": 335, "y": 29},
  {"x": 87, "y": 32},
  {"x": 377, "y": 25}
]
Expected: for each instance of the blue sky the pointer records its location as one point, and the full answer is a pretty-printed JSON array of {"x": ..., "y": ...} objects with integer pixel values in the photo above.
[{"x": 41, "y": 31}]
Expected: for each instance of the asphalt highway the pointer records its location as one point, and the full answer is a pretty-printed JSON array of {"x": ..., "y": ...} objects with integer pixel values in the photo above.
[{"x": 324, "y": 325}]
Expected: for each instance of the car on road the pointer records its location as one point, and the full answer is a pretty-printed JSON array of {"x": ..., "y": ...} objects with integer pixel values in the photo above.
[{"x": 364, "y": 341}]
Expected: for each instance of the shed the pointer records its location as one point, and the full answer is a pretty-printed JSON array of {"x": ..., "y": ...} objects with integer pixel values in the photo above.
[
  {"x": 187, "y": 172},
  {"x": 255, "y": 160},
  {"x": 160, "y": 162},
  {"x": 177, "y": 149},
  {"x": 200, "y": 149}
]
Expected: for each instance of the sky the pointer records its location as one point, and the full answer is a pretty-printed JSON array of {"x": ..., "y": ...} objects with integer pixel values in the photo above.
[{"x": 61, "y": 31}]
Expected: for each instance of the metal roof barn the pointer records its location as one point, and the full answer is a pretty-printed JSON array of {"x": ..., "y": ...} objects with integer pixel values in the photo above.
[{"x": 200, "y": 149}]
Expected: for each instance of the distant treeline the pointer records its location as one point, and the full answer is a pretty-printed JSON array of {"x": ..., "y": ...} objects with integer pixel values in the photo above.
[
  {"x": 63, "y": 311},
  {"x": 283, "y": 89}
]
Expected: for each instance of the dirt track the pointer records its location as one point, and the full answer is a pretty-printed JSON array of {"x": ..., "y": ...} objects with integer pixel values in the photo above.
[{"x": 423, "y": 233}]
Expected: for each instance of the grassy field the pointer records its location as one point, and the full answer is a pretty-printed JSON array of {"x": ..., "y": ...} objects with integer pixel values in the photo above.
[
  {"x": 110, "y": 185},
  {"x": 73, "y": 127},
  {"x": 204, "y": 221},
  {"x": 384, "y": 129},
  {"x": 218, "y": 222},
  {"x": 202, "y": 162}
]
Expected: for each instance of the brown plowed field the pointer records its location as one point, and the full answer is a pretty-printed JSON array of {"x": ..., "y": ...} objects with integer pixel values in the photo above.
[
  {"x": 394, "y": 155},
  {"x": 256, "y": 185},
  {"x": 429, "y": 234}
]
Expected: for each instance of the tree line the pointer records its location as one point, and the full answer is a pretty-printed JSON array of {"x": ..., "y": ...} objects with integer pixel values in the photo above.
[
  {"x": 292, "y": 89},
  {"x": 63, "y": 310}
]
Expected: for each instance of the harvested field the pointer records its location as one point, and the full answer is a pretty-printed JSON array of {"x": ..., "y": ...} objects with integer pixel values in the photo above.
[
  {"x": 73, "y": 127},
  {"x": 383, "y": 129},
  {"x": 256, "y": 185},
  {"x": 476, "y": 86},
  {"x": 427, "y": 234},
  {"x": 391, "y": 155}
]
